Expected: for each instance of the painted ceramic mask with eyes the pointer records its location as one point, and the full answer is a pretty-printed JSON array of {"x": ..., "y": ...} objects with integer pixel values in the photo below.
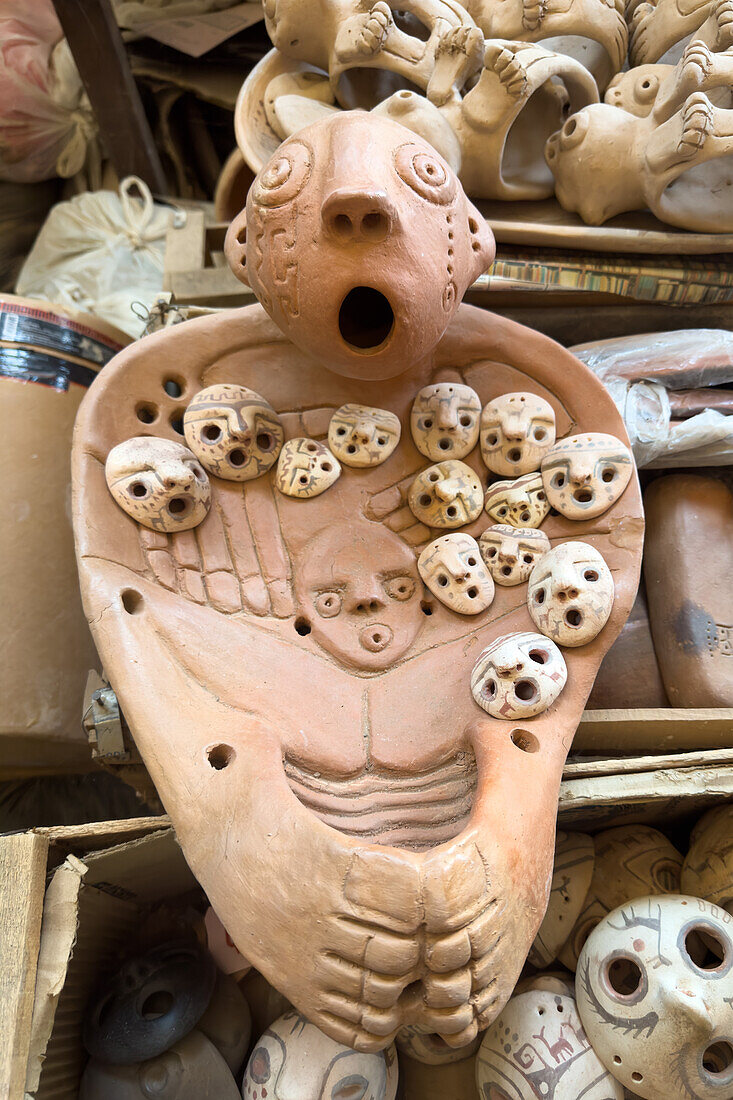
[
  {"x": 520, "y": 503},
  {"x": 571, "y": 879},
  {"x": 234, "y": 433},
  {"x": 708, "y": 868},
  {"x": 448, "y": 494},
  {"x": 517, "y": 431},
  {"x": 584, "y": 475},
  {"x": 430, "y": 1049},
  {"x": 454, "y": 571},
  {"x": 518, "y": 676},
  {"x": 570, "y": 593},
  {"x": 293, "y": 1060},
  {"x": 305, "y": 469},
  {"x": 654, "y": 989},
  {"x": 537, "y": 1048},
  {"x": 359, "y": 591},
  {"x": 445, "y": 421},
  {"x": 362, "y": 436},
  {"x": 512, "y": 552},
  {"x": 159, "y": 483}
]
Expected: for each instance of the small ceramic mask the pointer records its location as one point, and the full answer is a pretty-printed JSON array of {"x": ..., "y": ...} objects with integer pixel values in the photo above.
[
  {"x": 305, "y": 469},
  {"x": 654, "y": 990},
  {"x": 454, "y": 571},
  {"x": 512, "y": 552},
  {"x": 445, "y": 420},
  {"x": 517, "y": 431},
  {"x": 518, "y": 676},
  {"x": 570, "y": 593},
  {"x": 537, "y": 1047},
  {"x": 584, "y": 475},
  {"x": 571, "y": 878},
  {"x": 448, "y": 494},
  {"x": 431, "y": 1050},
  {"x": 234, "y": 433},
  {"x": 362, "y": 436},
  {"x": 520, "y": 503},
  {"x": 293, "y": 1058},
  {"x": 708, "y": 867},
  {"x": 159, "y": 483}
]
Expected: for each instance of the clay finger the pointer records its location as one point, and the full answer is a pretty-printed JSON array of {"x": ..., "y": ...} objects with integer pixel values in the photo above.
[
  {"x": 446, "y": 953},
  {"x": 222, "y": 585},
  {"x": 375, "y": 989},
  {"x": 447, "y": 990},
  {"x": 346, "y": 1033},
  {"x": 378, "y": 951},
  {"x": 264, "y": 522},
  {"x": 382, "y": 1021},
  {"x": 462, "y": 1038},
  {"x": 483, "y": 1002},
  {"x": 447, "y": 1022},
  {"x": 230, "y": 502},
  {"x": 483, "y": 932},
  {"x": 157, "y": 550}
]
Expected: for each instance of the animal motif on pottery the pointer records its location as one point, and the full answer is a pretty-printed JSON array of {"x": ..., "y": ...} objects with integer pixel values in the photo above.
[
  {"x": 444, "y": 421},
  {"x": 512, "y": 552},
  {"x": 518, "y": 676},
  {"x": 584, "y": 475},
  {"x": 517, "y": 431},
  {"x": 448, "y": 494},
  {"x": 234, "y": 433},
  {"x": 158, "y": 483},
  {"x": 520, "y": 503},
  {"x": 361, "y": 436},
  {"x": 570, "y": 593},
  {"x": 453, "y": 570}
]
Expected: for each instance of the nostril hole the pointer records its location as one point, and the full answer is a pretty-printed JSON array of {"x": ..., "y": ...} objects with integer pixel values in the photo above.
[
  {"x": 525, "y": 740},
  {"x": 374, "y": 226},
  {"x": 132, "y": 601},
  {"x": 302, "y": 627},
  {"x": 220, "y": 756},
  {"x": 341, "y": 225}
]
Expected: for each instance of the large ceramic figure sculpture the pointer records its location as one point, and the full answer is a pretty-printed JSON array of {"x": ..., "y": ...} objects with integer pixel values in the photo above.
[{"x": 374, "y": 841}]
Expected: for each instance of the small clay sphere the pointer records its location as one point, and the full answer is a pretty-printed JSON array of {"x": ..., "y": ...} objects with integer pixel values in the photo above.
[
  {"x": 537, "y": 1047},
  {"x": 708, "y": 868},
  {"x": 448, "y": 494},
  {"x": 159, "y": 483},
  {"x": 570, "y": 593},
  {"x": 517, "y": 431},
  {"x": 453, "y": 570},
  {"x": 571, "y": 878},
  {"x": 585, "y": 474},
  {"x": 518, "y": 676},
  {"x": 511, "y": 552},
  {"x": 306, "y": 469},
  {"x": 431, "y": 1050},
  {"x": 360, "y": 435},
  {"x": 234, "y": 433},
  {"x": 521, "y": 503},
  {"x": 445, "y": 420}
]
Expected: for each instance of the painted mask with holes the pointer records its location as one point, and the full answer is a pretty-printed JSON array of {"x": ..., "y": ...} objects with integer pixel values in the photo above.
[
  {"x": 570, "y": 593},
  {"x": 293, "y": 1058},
  {"x": 445, "y": 420},
  {"x": 159, "y": 483},
  {"x": 453, "y": 570},
  {"x": 359, "y": 595},
  {"x": 654, "y": 989},
  {"x": 708, "y": 867},
  {"x": 234, "y": 433},
  {"x": 362, "y": 436},
  {"x": 448, "y": 494},
  {"x": 584, "y": 475},
  {"x": 517, "y": 431},
  {"x": 518, "y": 676},
  {"x": 512, "y": 552},
  {"x": 520, "y": 503},
  {"x": 305, "y": 469}
]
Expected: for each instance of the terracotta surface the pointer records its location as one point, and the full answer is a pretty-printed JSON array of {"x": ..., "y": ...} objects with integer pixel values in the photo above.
[
  {"x": 691, "y": 607},
  {"x": 629, "y": 675},
  {"x": 302, "y": 703}
]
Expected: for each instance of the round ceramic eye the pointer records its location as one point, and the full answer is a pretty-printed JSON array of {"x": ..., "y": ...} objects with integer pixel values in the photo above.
[
  {"x": 328, "y": 604},
  {"x": 425, "y": 173},
  {"x": 574, "y": 131},
  {"x": 399, "y": 588},
  {"x": 647, "y": 88},
  {"x": 259, "y": 1065},
  {"x": 353, "y": 1087},
  {"x": 285, "y": 176}
]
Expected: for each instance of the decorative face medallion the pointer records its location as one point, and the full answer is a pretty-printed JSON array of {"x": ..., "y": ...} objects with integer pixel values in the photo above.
[
  {"x": 518, "y": 676},
  {"x": 431, "y": 1050},
  {"x": 234, "y": 433},
  {"x": 570, "y": 593},
  {"x": 305, "y": 469},
  {"x": 159, "y": 483},
  {"x": 537, "y": 1047},
  {"x": 453, "y": 570},
  {"x": 448, "y": 494},
  {"x": 512, "y": 552},
  {"x": 520, "y": 503},
  {"x": 359, "y": 594},
  {"x": 654, "y": 989},
  {"x": 293, "y": 1058},
  {"x": 362, "y": 436},
  {"x": 517, "y": 431},
  {"x": 584, "y": 475},
  {"x": 445, "y": 420},
  {"x": 571, "y": 877},
  {"x": 708, "y": 868}
]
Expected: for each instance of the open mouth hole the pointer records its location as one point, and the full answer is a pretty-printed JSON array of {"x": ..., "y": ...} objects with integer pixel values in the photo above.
[
  {"x": 365, "y": 318},
  {"x": 583, "y": 496},
  {"x": 526, "y": 691}
]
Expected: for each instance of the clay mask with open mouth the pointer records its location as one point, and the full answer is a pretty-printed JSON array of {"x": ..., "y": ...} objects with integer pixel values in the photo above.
[
  {"x": 159, "y": 483},
  {"x": 570, "y": 593},
  {"x": 444, "y": 420},
  {"x": 584, "y": 475},
  {"x": 234, "y": 433}
]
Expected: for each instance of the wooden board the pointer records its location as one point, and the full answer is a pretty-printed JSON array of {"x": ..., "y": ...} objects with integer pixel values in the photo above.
[
  {"x": 22, "y": 882},
  {"x": 615, "y": 732}
]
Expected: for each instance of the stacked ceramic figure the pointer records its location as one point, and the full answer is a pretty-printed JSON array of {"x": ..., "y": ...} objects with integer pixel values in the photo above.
[{"x": 509, "y": 93}]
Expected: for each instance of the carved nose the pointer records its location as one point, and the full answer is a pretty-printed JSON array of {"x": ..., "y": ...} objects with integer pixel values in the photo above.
[
  {"x": 507, "y": 669},
  {"x": 507, "y": 559},
  {"x": 447, "y": 490},
  {"x": 365, "y": 605},
  {"x": 363, "y": 216},
  {"x": 447, "y": 418}
]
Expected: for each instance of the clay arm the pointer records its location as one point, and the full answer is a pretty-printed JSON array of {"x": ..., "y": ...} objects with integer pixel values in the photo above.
[
  {"x": 698, "y": 70},
  {"x": 655, "y": 28}
]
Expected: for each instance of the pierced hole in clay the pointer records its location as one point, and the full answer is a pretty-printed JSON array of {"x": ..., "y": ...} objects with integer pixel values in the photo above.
[
  {"x": 514, "y": 455},
  {"x": 525, "y": 740},
  {"x": 489, "y": 689},
  {"x": 179, "y": 506},
  {"x": 541, "y": 495},
  {"x": 608, "y": 474},
  {"x": 616, "y": 1060},
  {"x": 718, "y": 1058},
  {"x": 146, "y": 414},
  {"x": 424, "y": 500},
  {"x": 442, "y": 580},
  {"x": 428, "y": 423},
  {"x": 528, "y": 559},
  {"x": 570, "y": 127},
  {"x": 704, "y": 948},
  {"x": 303, "y": 479},
  {"x": 342, "y": 226},
  {"x": 526, "y": 691},
  {"x": 573, "y": 617},
  {"x": 137, "y": 489},
  {"x": 506, "y": 570},
  {"x": 211, "y": 433},
  {"x": 177, "y": 423},
  {"x": 132, "y": 601},
  {"x": 451, "y": 511},
  {"x": 539, "y": 434},
  {"x": 472, "y": 593},
  {"x": 311, "y": 448},
  {"x": 302, "y": 627},
  {"x": 326, "y": 467},
  {"x": 265, "y": 441},
  {"x": 473, "y": 225},
  {"x": 525, "y": 517},
  {"x": 425, "y": 607},
  {"x": 445, "y": 444},
  {"x": 341, "y": 431},
  {"x": 476, "y": 246},
  {"x": 539, "y": 597},
  {"x": 381, "y": 440},
  {"x": 583, "y": 496},
  {"x": 173, "y": 387},
  {"x": 624, "y": 976},
  {"x": 539, "y": 656},
  {"x": 374, "y": 226},
  {"x": 366, "y": 318},
  {"x": 466, "y": 421},
  {"x": 558, "y": 481},
  {"x": 156, "y": 1005},
  {"x": 471, "y": 561},
  {"x": 242, "y": 235},
  {"x": 351, "y": 449},
  {"x": 591, "y": 575},
  {"x": 220, "y": 756},
  {"x": 637, "y": 1077},
  {"x": 492, "y": 439}
]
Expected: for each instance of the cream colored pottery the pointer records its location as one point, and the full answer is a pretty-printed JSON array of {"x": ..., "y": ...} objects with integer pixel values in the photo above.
[{"x": 571, "y": 879}]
